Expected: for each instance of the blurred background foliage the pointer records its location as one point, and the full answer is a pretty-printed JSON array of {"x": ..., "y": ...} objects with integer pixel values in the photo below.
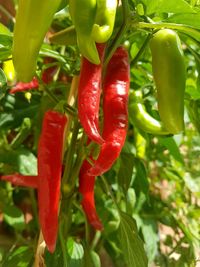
[{"x": 156, "y": 180}]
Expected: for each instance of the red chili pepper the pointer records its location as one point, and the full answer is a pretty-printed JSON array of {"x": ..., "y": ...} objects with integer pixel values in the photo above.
[
  {"x": 86, "y": 188},
  {"x": 21, "y": 180},
  {"x": 115, "y": 104},
  {"x": 89, "y": 91},
  {"x": 47, "y": 77},
  {"x": 49, "y": 174},
  {"x": 21, "y": 86},
  {"x": 48, "y": 73}
]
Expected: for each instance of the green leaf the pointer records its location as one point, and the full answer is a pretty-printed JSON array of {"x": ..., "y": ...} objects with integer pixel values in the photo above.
[
  {"x": 14, "y": 217},
  {"x": 4, "y": 30},
  {"x": 4, "y": 53},
  {"x": 91, "y": 258},
  {"x": 3, "y": 83},
  {"x": 130, "y": 201},
  {"x": 22, "y": 160},
  {"x": 126, "y": 170},
  {"x": 141, "y": 183},
  {"x": 87, "y": 259},
  {"x": 46, "y": 52},
  {"x": 21, "y": 257},
  {"x": 95, "y": 259},
  {"x": 16, "y": 108},
  {"x": 151, "y": 239},
  {"x": 5, "y": 41},
  {"x": 75, "y": 252},
  {"x": 187, "y": 19},
  {"x": 131, "y": 244},
  {"x": 55, "y": 259},
  {"x": 4, "y": 200},
  {"x": 171, "y": 145},
  {"x": 169, "y": 6},
  {"x": 194, "y": 94},
  {"x": 192, "y": 184},
  {"x": 3, "y": 79},
  {"x": 13, "y": 119},
  {"x": 5, "y": 46}
]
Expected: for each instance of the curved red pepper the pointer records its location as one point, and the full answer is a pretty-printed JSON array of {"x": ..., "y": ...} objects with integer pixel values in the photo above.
[
  {"x": 49, "y": 174},
  {"x": 89, "y": 91},
  {"x": 21, "y": 86},
  {"x": 47, "y": 77},
  {"x": 115, "y": 108},
  {"x": 21, "y": 180},
  {"x": 86, "y": 188}
]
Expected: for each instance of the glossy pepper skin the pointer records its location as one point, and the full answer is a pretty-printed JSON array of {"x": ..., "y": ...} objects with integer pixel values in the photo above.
[
  {"x": 83, "y": 17},
  {"x": 115, "y": 109},
  {"x": 86, "y": 188},
  {"x": 104, "y": 21},
  {"x": 140, "y": 118},
  {"x": 32, "y": 22},
  {"x": 49, "y": 174},
  {"x": 170, "y": 76},
  {"x": 89, "y": 90},
  {"x": 21, "y": 180}
]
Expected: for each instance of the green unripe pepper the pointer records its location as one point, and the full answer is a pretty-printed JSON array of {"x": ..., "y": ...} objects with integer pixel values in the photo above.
[
  {"x": 83, "y": 14},
  {"x": 169, "y": 75},
  {"x": 141, "y": 119},
  {"x": 32, "y": 22},
  {"x": 104, "y": 21}
]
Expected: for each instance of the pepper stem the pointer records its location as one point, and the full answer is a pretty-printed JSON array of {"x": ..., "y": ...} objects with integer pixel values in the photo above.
[
  {"x": 115, "y": 43},
  {"x": 174, "y": 26},
  {"x": 139, "y": 53}
]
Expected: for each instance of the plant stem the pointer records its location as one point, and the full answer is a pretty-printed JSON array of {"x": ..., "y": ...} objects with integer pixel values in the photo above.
[
  {"x": 39, "y": 260},
  {"x": 81, "y": 155},
  {"x": 194, "y": 53},
  {"x": 69, "y": 109},
  {"x": 63, "y": 247},
  {"x": 34, "y": 204},
  {"x": 67, "y": 189},
  {"x": 70, "y": 155},
  {"x": 71, "y": 101},
  {"x": 109, "y": 191},
  {"x": 197, "y": 42},
  {"x": 5, "y": 11},
  {"x": 180, "y": 27},
  {"x": 126, "y": 22},
  {"x": 87, "y": 228},
  {"x": 95, "y": 240},
  {"x": 136, "y": 58}
]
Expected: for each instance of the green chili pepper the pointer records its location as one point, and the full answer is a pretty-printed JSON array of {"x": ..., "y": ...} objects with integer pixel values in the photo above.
[
  {"x": 104, "y": 21},
  {"x": 32, "y": 22},
  {"x": 141, "y": 119},
  {"x": 169, "y": 75},
  {"x": 65, "y": 37},
  {"x": 83, "y": 14}
]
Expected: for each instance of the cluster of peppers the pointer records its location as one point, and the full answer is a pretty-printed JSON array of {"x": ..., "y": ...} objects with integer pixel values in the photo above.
[
  {"x": 115, "y": 87},
  {"x": 93, "y": 24}
]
